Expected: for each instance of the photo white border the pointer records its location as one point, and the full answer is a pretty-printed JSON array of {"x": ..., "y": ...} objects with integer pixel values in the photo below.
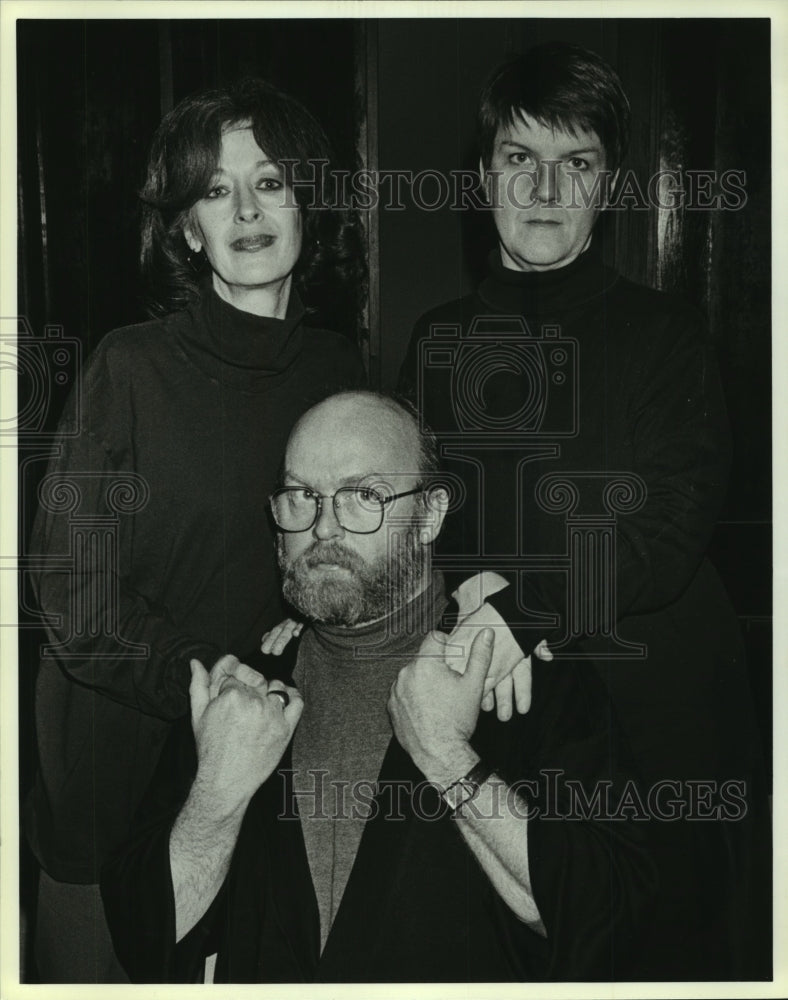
[{"x": 10, "y": 11}]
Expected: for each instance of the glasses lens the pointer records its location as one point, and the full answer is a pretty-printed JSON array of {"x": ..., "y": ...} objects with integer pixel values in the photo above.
[
  {"x": 358, "y": 510},
  {"x": 294, "y": 510}
]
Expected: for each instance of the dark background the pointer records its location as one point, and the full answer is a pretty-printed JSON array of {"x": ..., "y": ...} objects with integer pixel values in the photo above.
[{"x": 400, "y": 94}]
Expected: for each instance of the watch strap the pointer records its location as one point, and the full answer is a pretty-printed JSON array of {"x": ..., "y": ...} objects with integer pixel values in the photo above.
[{"x": 466, "y": 788}]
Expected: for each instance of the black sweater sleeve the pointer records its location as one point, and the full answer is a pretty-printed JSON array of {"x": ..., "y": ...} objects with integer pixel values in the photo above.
[
  {"x": 136, "y": 884},
  {"x": 104, "y": 633},
  {"x": 679, "y": 470},
  {"x": 589, "y": 841}
]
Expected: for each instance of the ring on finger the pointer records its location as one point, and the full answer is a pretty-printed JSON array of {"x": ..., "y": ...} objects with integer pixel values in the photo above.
[{"x": 283, "y": 695}]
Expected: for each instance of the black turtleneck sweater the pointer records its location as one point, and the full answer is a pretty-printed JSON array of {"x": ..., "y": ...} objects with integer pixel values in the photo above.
[
  {"x": 632, "y": 395},
  {"x": 638, "y": 402},
  {"x": 197, "y": 407}
]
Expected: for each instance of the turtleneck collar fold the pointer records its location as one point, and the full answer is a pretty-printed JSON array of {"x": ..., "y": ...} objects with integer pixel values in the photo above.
[
  {"x": 241, "y": 348},
  {"x": 536, "y": 293}
]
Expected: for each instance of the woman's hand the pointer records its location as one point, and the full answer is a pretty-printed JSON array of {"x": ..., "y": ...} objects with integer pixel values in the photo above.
[
  {"x": 514, "y": 690},
  {"x": 508, "y": 682},
  {"x": 275, "y": 641}
]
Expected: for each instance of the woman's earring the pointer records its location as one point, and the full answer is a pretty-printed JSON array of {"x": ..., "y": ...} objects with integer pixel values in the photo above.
[{"x": 195, "y": 258}]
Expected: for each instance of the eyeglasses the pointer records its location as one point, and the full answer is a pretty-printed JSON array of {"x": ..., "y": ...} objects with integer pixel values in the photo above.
[{"x": 357, "y": 509}]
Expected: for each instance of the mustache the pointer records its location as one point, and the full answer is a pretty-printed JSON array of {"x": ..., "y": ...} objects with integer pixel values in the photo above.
[{"x": 330, "y": 552}]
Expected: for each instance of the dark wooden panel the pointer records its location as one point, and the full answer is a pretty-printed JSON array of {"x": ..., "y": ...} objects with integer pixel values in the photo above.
[
  {"x": 740, "y": 280},
  {"x": 91, "y": 91}
]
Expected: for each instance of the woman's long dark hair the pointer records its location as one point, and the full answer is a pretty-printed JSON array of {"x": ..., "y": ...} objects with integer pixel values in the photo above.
[{"x": 183, "y": 160}]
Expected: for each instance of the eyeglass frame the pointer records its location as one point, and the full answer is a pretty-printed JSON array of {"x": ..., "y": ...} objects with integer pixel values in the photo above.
[{"x": 320, "y": 497}]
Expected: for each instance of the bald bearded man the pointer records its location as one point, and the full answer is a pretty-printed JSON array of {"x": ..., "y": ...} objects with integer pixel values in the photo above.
[{"x": 350, "y": 816}]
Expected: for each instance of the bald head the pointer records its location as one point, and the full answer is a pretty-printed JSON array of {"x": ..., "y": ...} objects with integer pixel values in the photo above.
[{"x": 355, "y": 436}]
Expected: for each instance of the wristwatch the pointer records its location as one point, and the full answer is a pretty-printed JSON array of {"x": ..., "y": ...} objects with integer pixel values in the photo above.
[{"x": 464, "y": 789}]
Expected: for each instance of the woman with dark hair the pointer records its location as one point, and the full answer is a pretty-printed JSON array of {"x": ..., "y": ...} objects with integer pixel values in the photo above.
[
  {"x": 183, "y": 161},
  {"x": 166, "y": 457}
]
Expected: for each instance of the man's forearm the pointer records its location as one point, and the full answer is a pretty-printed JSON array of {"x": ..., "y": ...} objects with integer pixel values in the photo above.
[
  {"x": 499, "y": 841},
  {"x": 240, "y": 735},
  {"x": 497, "y": 836},
  {"x": 202, "y": 842}
]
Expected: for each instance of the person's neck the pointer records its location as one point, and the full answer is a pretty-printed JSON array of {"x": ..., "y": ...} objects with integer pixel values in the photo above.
[
  {"x": 265, "y": 300},
  {"x": 417, "y": 591},
  {"x": 401, "y": 630}
]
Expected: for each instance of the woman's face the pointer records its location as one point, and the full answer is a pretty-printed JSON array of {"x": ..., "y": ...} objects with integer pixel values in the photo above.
[{"x": 249, "y": 226}]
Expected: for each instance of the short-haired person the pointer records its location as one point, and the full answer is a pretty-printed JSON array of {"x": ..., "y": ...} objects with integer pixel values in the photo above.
[
  {"x": 171, "y": 450},
  {"x": 356, "y": 819},
  {"x": 586, "y": 417}
]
